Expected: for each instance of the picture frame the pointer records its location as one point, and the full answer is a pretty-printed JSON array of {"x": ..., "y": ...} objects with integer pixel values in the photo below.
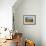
[{"x": 29, "y": 19}]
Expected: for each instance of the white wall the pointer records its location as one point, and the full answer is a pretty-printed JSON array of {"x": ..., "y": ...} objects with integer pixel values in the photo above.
[
  {"x": 43, "y": 22},
  {"x": 31, "y": 7},
  {"x": 6, "y": 13}
]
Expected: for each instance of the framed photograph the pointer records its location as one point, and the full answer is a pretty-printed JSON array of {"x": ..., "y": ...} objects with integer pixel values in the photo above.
[{"x": 29, "y": 19}]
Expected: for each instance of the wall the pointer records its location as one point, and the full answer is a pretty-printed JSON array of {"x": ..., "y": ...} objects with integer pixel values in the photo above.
[
  {"x": 6, "y": 13},
  {"x": 28, "y": 7},
  {"x": 43, "y": 22}
]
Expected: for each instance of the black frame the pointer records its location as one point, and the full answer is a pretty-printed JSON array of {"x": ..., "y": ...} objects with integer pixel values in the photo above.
[{"x": 29, "y": 16}]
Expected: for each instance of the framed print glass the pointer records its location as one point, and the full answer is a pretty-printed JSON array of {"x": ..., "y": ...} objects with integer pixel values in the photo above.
[{"x": 29, "y": 19}]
